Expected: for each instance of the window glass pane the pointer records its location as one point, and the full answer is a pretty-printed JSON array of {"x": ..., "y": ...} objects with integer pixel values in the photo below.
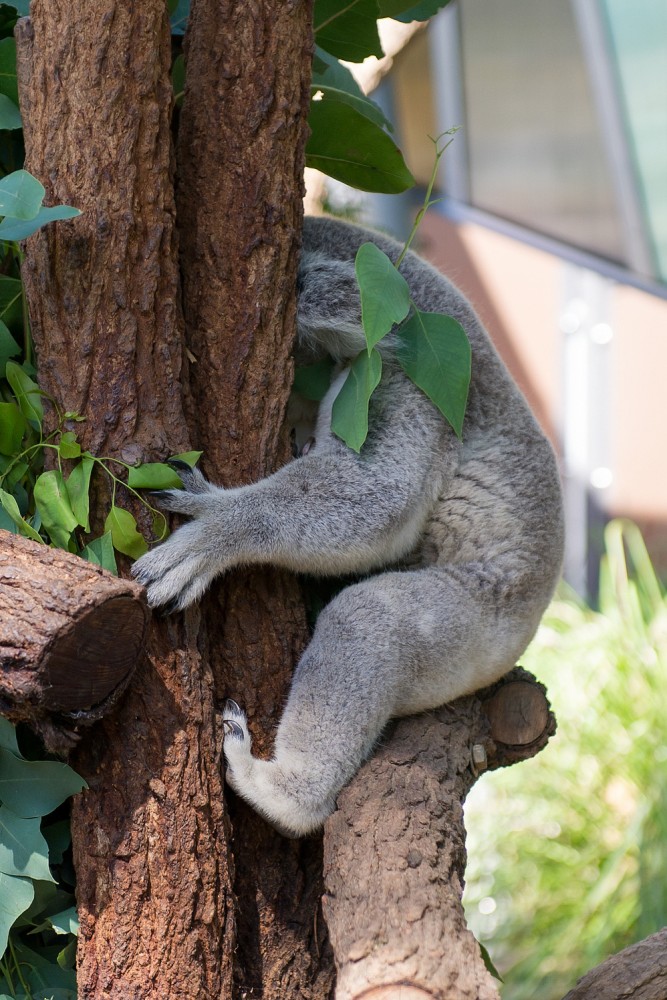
[
  {"x": 535, "y": 150},
  {"x": 638, "y": 33}
]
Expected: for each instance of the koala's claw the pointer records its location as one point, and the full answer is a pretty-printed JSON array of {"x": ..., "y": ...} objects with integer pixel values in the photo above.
[
  {"x": 178, "y": 465},
  {"x": 232, "y": 708},
  {"x": 233, "y": 729}
]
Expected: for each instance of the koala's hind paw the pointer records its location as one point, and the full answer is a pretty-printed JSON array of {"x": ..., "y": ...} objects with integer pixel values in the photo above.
[{"x": 236, "y": 744}]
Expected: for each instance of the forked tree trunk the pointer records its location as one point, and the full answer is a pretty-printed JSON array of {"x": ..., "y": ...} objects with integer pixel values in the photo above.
[{"x": 153, "y": 881}]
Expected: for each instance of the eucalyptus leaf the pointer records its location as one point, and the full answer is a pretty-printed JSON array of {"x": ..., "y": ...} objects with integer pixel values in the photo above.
[
  {"x": 47, "y": 980},
  {"x": 419, "y": 12},
  {"x": 16, "y": 895},
  {"x": 69, "y": 447},
  {"x": 365, "y": 107},
  {"x": 54, "y": 507},
  {"x": 348, "y": 28},
  {"x": 8, "y": 82},
  {"x": 153, "y": 476},
  {"x": 10, "y": 116},
  {"x": 12, "y": 428},
  {"x": 189, "y": 457},
  {"x": 179, "y": 13},
  {"x": 11, "y": 307},
  {"x": 21, "y": 195},
  {"x": 8, "y": 737},
  {"x": 349, "y": 415},
  {"x": 348, "y": 146},
  {"x": 100, "y": 552},
  {"x": 65, "y": 922},
  {"x": 385, "y": 296},
  {"x": 313, "y": 381},
  {"x": 28, "y": 394},
  {"x": 8, "y": 346},
  {"x": 21, "y": 6},
  {"x": 123, "y": 528},
  {"x": 12, "y": 230},
  {"x": 77, "y": 485},
  {"x": 23, "y": 850},
  {"x": 434, "y": 352},
  {"x": 328, "y": 71},
  {"x": 35, "y": 787},
  {"x": 11, "y": 508}
]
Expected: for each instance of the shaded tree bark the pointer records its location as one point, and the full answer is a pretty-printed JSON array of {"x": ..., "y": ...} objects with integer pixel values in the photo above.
[
  {"x": 240, "y": 212},
  {"x": 149, "y": 844}
]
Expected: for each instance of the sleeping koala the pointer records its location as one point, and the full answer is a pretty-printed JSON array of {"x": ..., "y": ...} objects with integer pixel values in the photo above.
[{"x": 458, "y": 544}]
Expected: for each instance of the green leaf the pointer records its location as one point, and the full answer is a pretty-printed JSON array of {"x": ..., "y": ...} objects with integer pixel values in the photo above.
[
  {"x": 21, "y": 195},
  {"x": 69, "y": 447},
  {"x": 385, "y": 296},
  {"x": 28, "y": 394},
  {"x": 78, "y": 490},
  {"x": 10, "y": 116},
  {"x": 8, "y": 736},
  {"x": 419, "y": 12},
  {"x": 12, "y": 428},
  {"x": 58, "y": 836},
  {"x": 178, "y": 78},
  {"x": 21, "y": 6},
  {"x": 189, "y": 457},
  {"x": 434, "y": 352},
  {"x": 348, "y": 28},
  {"x": 8, "y": 83},
  {"x": 179, "y": 14},
  {"x": 36, "y": 787},
  {"x": 6, "y": 523},
  {"x": 12, "y": 230},
  {"x": 313, "y": 381},
  {"x": 11, "y": 508},
  {"x": 123, "y": 528},
  {"x": 65, "y": 922},
  {"x": 365, "y": 107},
  {"x": 16, "y": 895},
  {"x": 348, "y": 146},
  {"x": 11, "y": 308},
  {"x": 153, "y": 476},
  {"x": 46, "y": 980},
  {"x": 54, "y": 507},
  {"x": 349, "y": 415},
  {"x": 8, "y": 346},
  {"x": 488, "y": 962},
  {"x": 328, "y": 71},
  {"x": 100, "y": 552},
  {"x": 23, "y": 850}
]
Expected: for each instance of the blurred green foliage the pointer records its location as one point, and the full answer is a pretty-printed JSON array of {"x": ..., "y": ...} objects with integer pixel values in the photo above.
[{"x": 567, "y": 852}]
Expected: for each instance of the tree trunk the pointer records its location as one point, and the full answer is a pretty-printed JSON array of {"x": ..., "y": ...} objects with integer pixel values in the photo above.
[
  {"x": 70, "y": 636},
  {"x": 149, "y": 841},
  {"x": 240, "y": 212},
  {"x": 395, "y": 847}
]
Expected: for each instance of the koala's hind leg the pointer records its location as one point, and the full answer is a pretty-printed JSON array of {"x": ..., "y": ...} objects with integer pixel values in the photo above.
[{"x": 395, "y": 644}]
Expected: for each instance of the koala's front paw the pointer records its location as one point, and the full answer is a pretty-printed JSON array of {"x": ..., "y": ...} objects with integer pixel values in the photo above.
[{"x": 177, "y": 572}]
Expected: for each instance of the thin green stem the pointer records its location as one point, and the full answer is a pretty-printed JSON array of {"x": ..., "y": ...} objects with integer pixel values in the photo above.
[
  {"x": 17, "y": 966},
  {"x": 428, "y": 202}
]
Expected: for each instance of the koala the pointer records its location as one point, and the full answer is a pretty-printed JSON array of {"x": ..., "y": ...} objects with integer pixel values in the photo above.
[{"x": 456, "y": 545}]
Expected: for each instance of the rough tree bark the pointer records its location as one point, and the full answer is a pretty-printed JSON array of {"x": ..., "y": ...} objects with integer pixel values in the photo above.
[
  {"x": 70, "y": 637},
  {"x": 395, "y": 856},
  {"x": 240, "y": 211},
  {"x": 149, "y": 844},
  {"x": 636, "y": 973}
]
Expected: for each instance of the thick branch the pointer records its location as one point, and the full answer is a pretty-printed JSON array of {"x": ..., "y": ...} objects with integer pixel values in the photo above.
[
  {"x": 636, "y": 973},
  {"x": 70, "y": 635},
  {"x": 395, "y": 854}
]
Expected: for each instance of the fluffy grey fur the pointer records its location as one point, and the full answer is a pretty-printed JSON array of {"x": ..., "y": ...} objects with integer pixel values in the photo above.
[{"x": 460, "y": 543}]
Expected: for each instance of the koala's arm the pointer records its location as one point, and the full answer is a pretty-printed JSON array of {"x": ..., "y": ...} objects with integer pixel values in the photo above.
[{"x": 329, "y": 512}]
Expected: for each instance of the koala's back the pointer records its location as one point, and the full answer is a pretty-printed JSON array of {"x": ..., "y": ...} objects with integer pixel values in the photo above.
[{"x": 500, "y": 514}]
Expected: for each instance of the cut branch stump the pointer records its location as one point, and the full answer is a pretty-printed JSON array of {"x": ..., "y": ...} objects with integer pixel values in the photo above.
[
  {"x": 70, "y": 636},
  {"x": 636, "y": 973}
]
